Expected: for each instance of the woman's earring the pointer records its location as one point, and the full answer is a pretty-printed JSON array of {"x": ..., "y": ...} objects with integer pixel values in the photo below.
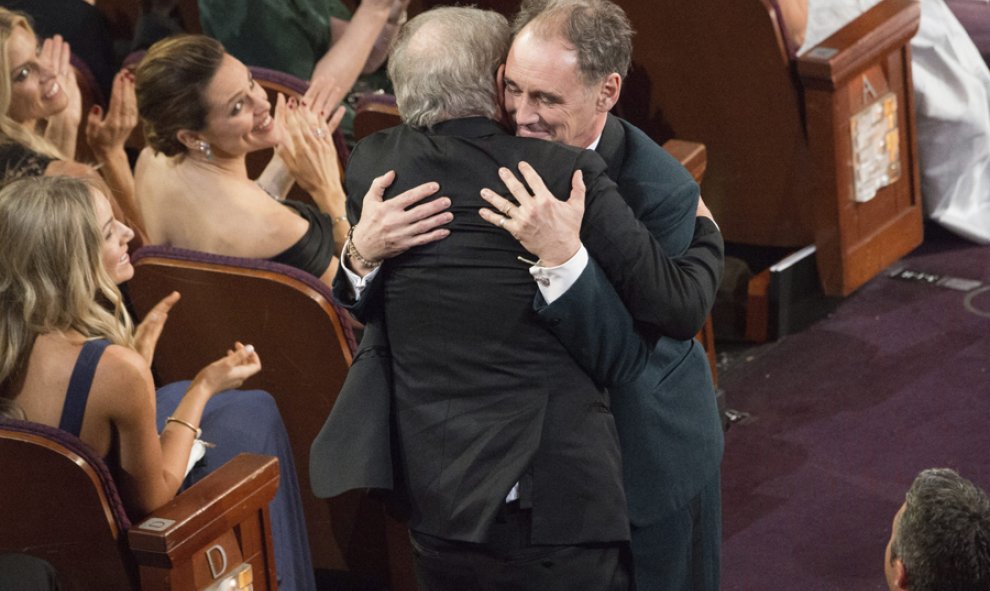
[{"x": 205, "y": 148}]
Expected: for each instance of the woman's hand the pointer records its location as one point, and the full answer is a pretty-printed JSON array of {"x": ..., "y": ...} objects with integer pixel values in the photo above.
[
  {"x": 308, "y": 151},
  {"x": 324, "y": 95},
  {"x": 230, "y": 371},
  {"x": 62, "y": 128},
  {"x": 107, "y": 133},
  {"x": 147, "y": 333}
]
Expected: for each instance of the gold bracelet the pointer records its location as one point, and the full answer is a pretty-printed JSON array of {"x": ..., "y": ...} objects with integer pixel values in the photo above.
[
  {"x": 339, "y": 218},
  {"x": 352, "y": 251},
  {"x": 194, "y": 428}
]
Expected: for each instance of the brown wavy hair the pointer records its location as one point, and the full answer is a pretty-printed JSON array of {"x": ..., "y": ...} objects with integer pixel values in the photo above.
[{"x": 170, "y": 84}]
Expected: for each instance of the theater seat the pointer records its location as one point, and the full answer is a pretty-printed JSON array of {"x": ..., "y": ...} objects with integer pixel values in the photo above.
[
  {"x": 778, "y": 128},
  {"x": 375, "y": 112},
  {"x": 305, "y": 344},
  {"x": 60, "y": 504}
]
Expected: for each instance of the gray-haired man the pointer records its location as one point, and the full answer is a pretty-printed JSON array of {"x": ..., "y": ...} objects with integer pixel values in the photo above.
[
  {"x": 563, "y": 75},
  {"x": 940, "y": 537}
]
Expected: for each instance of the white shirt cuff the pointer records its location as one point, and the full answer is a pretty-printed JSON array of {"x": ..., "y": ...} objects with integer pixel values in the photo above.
[
  {"x": 357, "y": 282},
  {"x": 555, "y": 281}
]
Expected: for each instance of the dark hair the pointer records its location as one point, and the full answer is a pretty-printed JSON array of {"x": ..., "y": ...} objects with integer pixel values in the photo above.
[
  {"x": 170, "y": 83},
  {"x": 598, "y": 30},
  {"x": 943, "y": 537}
]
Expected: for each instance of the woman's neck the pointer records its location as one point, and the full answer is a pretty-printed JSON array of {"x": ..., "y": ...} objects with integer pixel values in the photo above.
[{"x": 235, "y": 166}]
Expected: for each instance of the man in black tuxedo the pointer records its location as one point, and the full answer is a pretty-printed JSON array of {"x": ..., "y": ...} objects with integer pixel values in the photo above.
[
  {"x": 507, "y": 447},
  {"x": 563, "y": 74}
]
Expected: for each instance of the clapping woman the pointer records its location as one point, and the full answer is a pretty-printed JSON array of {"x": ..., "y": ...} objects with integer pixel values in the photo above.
[
  {"x": 40, "y": 114},
  {"x": 71, "y": 358},
  {"x": 203, "y": 113}
]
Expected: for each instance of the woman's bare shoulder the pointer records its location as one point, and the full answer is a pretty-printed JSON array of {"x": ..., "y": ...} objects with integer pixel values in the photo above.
[
  {"x": 152, "y": 165},
  {"x": 122, "y": 367}
]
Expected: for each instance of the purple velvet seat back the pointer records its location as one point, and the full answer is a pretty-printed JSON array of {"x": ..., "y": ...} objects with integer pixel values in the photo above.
[
  {"x": 375, "y": 98},
  {"x": 133, "y": 59},
  {"x": 76, "y": 446},
  {"x": 375, "y": 112},
  {"x": 287, "y": 80},
  {"x": 310, "y": 281}
]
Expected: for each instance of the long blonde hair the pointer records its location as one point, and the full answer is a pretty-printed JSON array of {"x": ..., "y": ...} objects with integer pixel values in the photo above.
[
  {"x": 11, "y": 131},
  {"x": 52, "y": 276}
]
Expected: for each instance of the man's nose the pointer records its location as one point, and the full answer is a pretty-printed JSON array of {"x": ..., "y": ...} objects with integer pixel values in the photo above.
[{"x": 526, "y": 112}]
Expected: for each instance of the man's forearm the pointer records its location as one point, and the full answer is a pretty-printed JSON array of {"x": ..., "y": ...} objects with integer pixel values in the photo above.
[{"x": 670, "y": 295}]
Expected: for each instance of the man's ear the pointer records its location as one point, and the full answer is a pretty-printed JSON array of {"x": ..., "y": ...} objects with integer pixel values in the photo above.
[
  {"x": 609, "y": 92},
  {"x": 900, "y": 574}
]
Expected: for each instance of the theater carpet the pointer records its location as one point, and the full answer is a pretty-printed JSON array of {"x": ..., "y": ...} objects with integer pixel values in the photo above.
[{"x": 842, "y": 417}]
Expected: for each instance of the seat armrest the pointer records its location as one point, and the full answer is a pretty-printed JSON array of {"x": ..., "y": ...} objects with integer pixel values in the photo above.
[
  {"x": 878, "y": 31},
  {"x": 236, "y": 495},
  {"x": 692, "y": 155}
]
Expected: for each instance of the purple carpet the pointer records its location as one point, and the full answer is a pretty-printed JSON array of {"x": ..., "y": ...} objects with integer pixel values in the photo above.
[{"x": 844, "y": 415}]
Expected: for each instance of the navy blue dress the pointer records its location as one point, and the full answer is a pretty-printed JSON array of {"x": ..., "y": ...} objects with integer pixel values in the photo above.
[{"x": 235, "y": 421}]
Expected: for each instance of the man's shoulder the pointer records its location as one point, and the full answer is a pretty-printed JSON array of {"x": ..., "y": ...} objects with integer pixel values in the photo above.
[
  {"x": 646, "y": 159},
  {"x": 484, "y": 137}
]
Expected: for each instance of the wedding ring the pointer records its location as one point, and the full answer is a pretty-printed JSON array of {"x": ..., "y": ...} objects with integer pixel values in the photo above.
[
  {"x": 501, "y": 222},
  {"x": 318, "y": 132}
]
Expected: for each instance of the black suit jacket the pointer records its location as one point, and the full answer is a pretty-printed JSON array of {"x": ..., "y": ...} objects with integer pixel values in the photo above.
[
  {"x": 484, "y": 395},
  {"x": 663, "y": 400}
]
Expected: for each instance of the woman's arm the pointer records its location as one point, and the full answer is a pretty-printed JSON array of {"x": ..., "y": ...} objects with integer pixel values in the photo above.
[
  {"x": 352, "y": 45},
  {"x": 107, "y": 133},
  {"x": 379, "y": 53},
  {"x": 149, "y": 477},
  {"x": 152, "y": 465},
  {"x": 308, "y": 152}
]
